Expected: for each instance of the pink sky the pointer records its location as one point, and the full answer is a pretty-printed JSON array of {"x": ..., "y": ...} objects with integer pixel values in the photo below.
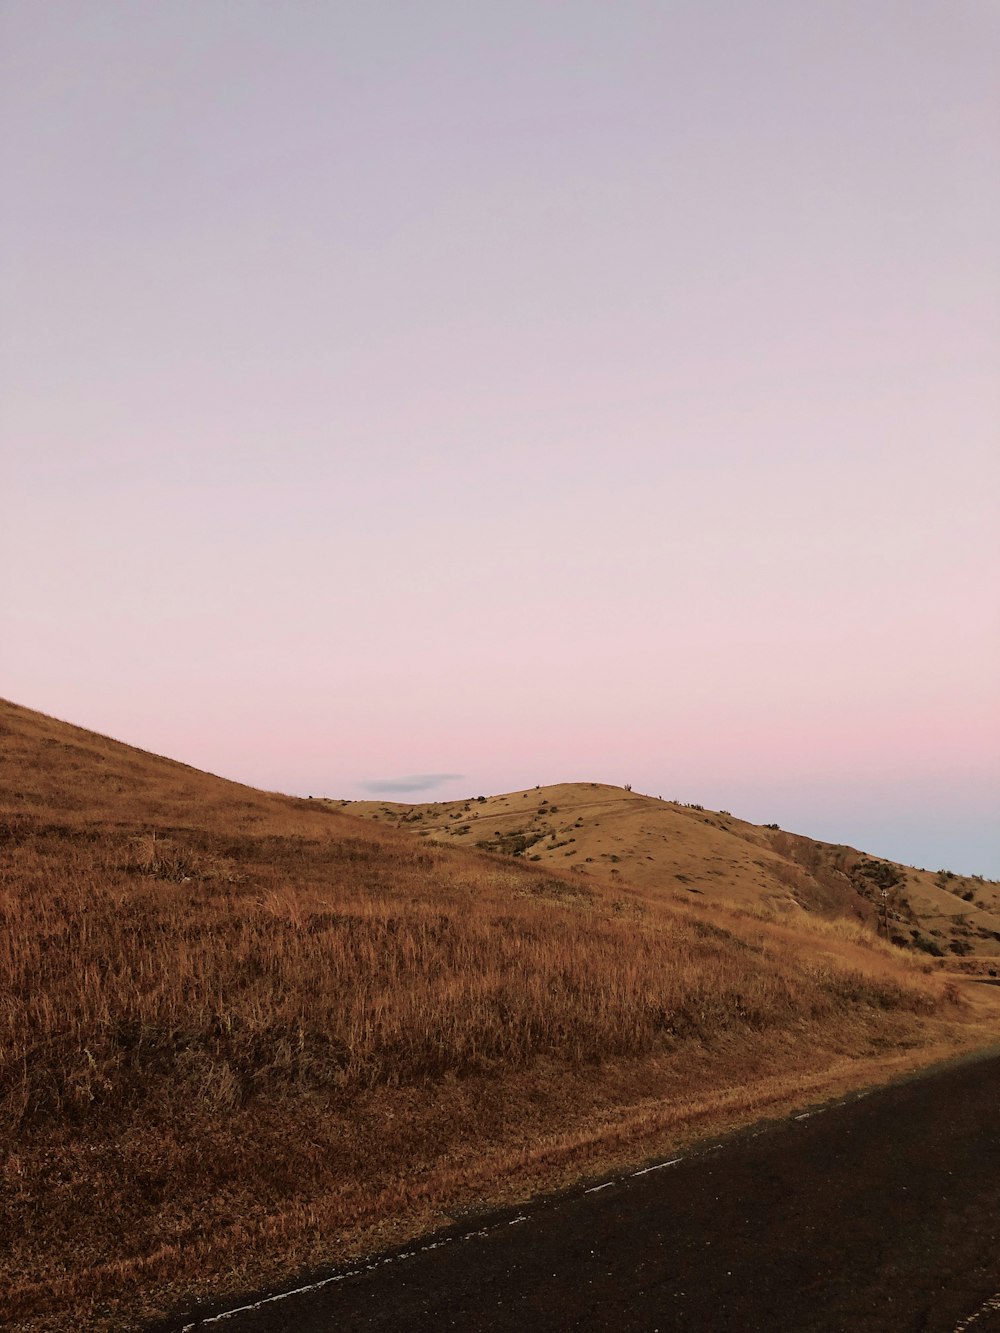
[{"x": 524, "y": 392}]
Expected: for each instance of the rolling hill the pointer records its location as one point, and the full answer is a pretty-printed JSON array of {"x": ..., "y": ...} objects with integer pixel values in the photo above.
[
  {"x": 244, "y": 1036},
  {"x": 615, "y": 836}
]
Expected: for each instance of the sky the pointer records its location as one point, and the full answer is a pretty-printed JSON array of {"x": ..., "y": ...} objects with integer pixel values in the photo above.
[{"x": 452, "y": 397}]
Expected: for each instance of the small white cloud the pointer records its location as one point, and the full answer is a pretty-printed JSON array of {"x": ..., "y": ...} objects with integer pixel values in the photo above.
[{"x": 415, "y": 782}]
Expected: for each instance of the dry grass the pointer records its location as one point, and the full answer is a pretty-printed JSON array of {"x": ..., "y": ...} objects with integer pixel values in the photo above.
[
  {"x": 241, "y": 1033},
  {"x": 614, "y": 835}
]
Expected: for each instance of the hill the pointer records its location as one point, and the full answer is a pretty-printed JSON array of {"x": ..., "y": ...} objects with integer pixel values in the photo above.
[
  {"x": 244, "y": 1035},
  {"x": 615, "y": 836}
]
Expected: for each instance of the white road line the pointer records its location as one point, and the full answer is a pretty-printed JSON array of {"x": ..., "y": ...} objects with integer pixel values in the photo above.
[
  {"x": 271, "y": 1300},
  {"x": 391, "y": 1259},
  {"x": 987, "y": 1307},
  {"x": 658, "y": 1167},
  {"x": 324, "y": 1282}
]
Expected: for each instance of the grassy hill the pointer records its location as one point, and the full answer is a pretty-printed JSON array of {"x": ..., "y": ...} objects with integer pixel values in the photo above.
[
  {"x": 242, "y": 1035},
  {"x": 614, "y": 836}
]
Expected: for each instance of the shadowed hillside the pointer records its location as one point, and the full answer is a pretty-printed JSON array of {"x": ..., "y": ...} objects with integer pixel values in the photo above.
[
  {"x": 614, "y": 836},
  {"x": 242, "y": 1035}
]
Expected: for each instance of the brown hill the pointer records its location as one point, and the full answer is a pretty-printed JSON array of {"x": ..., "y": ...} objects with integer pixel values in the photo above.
[
  {"x": 615, "y": 836},
  {"x": 242, "y": 1034}
]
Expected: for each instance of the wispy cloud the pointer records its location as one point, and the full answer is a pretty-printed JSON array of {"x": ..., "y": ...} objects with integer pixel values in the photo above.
[{"x": 415, "y": 782}]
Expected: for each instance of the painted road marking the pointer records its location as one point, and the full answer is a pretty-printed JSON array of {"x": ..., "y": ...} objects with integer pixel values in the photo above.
[
  {"x": 992, "y": 1304},
  {"x": 658, "y": 1167},
  {"x": 987, "y": 1307},
  {"x": 327, "y": 1281}
]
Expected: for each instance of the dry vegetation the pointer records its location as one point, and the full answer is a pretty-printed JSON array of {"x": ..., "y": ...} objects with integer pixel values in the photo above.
[
  {"x": 242, "y": 1034},
  {"x": 615, "y": 835}
]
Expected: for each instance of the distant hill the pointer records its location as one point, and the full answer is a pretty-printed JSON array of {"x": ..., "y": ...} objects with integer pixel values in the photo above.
[
  {"x": 245, "y": 1036},
  {"x": 616, "y": 836}
]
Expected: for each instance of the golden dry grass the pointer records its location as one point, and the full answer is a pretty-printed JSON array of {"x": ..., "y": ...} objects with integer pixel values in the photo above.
[
  {"x": 614, "y": 835},
  {"x": 241, "y": 1034}
]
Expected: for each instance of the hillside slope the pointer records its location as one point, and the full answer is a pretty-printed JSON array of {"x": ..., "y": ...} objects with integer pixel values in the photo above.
[
  {"x": 242, "y": 1035},
  {"x": 616, "y": 837}
]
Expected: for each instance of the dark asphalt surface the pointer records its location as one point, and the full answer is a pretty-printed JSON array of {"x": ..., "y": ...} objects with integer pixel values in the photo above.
[{"x": 880, "y": 1213}]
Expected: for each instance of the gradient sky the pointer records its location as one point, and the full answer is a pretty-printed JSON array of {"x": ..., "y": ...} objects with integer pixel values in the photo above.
[{"x": 458, "y": 396}]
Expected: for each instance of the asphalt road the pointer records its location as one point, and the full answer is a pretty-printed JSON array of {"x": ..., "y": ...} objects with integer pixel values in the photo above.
[{"x": 878, "y": 1213}]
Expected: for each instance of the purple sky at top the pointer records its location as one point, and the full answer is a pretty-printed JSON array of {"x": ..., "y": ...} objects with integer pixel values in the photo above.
[{"x": 514, "y": 392}]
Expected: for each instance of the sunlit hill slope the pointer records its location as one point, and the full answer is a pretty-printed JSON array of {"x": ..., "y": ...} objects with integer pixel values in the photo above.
[
  {"x": 243, "y": 1035},
  {"x": 614, "y": 836}
]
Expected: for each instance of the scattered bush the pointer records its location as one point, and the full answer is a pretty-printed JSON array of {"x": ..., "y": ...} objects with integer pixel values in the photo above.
[
  {"x": 515, "y": 843},
  {"x": 929, "y": 946}
]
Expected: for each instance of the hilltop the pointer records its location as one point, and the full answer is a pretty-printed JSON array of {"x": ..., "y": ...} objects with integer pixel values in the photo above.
[
  {"x": 614, "y": 836},
  {"x": 243, "y": 1035}
]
